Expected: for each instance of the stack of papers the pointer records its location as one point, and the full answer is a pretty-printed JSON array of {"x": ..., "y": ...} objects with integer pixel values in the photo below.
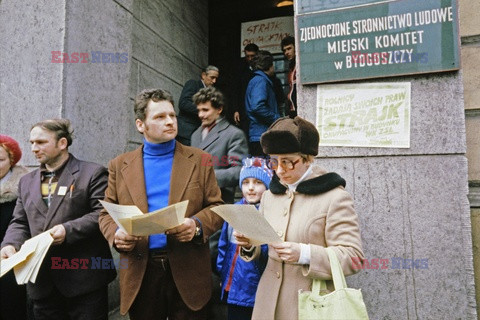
[
  {"x": 27, "y": 261},
  {"x": 134, "y": 222},
  {"x": 247, "y": 220}
]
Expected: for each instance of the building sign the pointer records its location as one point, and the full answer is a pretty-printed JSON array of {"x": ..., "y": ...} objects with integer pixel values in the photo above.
[
  {"x": 266, "y": 34},
  {"x": 378, "y": 40},
  {"x": 364, "y": 115},
  {"x": 304, "y": 6}
]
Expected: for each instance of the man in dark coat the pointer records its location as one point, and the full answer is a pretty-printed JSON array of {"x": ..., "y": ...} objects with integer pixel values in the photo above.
[
  {"x": 187, "y": 118},
  {"x": 288, "y": 49},
  {"x": 62, "y": 197},
  {"x": 245, "y": 74}
]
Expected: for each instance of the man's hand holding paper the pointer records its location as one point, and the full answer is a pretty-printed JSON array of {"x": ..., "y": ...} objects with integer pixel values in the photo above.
[
  {"x": 125, "y": 242},
  {"x": 58, "y": 234},
  {"x": 184, "y": 232},
  {"x": 134, "y": 223},
  {"x": 8, "y": 251},
  {"x": 27, "y": 261}
]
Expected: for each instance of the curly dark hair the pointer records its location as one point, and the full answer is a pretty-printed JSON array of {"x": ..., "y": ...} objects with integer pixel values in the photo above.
[
  {"x": 286, "y": 41},
  {"x": 211, "y": 94}
]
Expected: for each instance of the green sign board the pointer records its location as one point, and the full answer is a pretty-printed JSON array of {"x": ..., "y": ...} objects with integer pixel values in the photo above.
[
  {"x": 378, "y": 40},
  {"x": 304, "y": 6}
]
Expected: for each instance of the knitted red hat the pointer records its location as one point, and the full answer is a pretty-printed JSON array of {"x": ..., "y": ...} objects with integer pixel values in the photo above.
[{"x": 12, "y": 148}]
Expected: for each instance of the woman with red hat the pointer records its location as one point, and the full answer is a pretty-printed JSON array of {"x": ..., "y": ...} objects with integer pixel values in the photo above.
[{"x": 13, "y": 297}]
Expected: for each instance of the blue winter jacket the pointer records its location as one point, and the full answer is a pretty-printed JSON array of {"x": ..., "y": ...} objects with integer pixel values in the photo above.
[
  {"x": 260, "y": 104},
  {"x": 246, "y": 275}
]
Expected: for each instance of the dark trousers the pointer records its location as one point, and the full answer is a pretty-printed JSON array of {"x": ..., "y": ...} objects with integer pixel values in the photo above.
[
  {"x": 239, "y": 313},
  {"x": 90, "y": 306},
  {"x": 13, "y": 298},
  {"x": 159, "y": 298}
]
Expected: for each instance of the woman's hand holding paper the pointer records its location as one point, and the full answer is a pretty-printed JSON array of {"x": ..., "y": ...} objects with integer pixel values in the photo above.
[{"x": 242, "y": 240}]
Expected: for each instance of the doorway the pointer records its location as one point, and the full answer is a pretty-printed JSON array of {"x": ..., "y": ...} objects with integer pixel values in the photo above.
[{"x": 225, "y": 19}]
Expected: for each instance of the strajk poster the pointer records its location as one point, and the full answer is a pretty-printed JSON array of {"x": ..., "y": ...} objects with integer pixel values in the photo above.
[{"x": 364, "y": 115}]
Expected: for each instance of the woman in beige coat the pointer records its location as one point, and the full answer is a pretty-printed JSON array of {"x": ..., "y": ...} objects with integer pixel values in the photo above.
[{"x": 310, "y": 210}]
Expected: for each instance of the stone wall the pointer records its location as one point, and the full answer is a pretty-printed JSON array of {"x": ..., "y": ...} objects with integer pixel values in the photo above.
[
  {"x": 170, "y": 46},
  {"x": 158, "y": 44},
  {"x": 31, "y": 87},
  {"x": 412, "y": 204},
  {"x": 470, "y": 54},
  {"x": 165, "y": 44}
]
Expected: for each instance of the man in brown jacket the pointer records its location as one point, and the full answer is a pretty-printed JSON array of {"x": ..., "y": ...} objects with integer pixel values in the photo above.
[{"x": 167, "y": 275}]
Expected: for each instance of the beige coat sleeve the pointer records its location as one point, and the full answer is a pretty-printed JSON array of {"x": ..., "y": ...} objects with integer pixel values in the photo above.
[{"x": 342, "y": 234}]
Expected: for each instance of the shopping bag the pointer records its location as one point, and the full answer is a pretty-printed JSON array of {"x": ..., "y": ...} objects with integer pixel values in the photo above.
[{"x": 342, "y": 304}]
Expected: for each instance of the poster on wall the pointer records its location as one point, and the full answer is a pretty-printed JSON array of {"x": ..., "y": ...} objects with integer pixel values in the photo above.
[
  {"x": 364, "y": 115},
  {"x": 266, "y": 34},
  {"x": 378, "y": 40}
]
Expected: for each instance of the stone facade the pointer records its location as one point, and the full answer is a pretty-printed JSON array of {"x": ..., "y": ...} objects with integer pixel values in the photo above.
[
  {"x": 470, "y": 53},
  {"x": 412, "y": 203},
  {"x": 131, "y": 45},
  {"x": 160, "y": 44}
]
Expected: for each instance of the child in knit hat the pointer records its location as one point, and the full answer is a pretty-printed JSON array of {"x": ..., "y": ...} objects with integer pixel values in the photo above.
[{"x": 240, "y": 278}]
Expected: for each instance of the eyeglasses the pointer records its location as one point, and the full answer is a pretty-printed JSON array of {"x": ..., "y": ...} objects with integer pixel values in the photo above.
[{"x": 273, "y": 163}]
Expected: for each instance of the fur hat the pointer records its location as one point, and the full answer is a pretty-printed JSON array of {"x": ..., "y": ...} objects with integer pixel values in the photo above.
[
  {"x": 287, "y": 135},
  {"x": 12, "y": 148},
  {"x": 255, "y": 168}
]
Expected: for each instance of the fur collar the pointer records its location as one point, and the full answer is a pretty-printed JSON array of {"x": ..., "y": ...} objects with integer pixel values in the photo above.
[
  {"x": 9, "y": 189},
  {"x": 321, "y": 182}
]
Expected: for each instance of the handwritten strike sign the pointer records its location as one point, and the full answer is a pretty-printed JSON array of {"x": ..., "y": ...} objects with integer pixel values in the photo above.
[{"x": 266, "y": 34}]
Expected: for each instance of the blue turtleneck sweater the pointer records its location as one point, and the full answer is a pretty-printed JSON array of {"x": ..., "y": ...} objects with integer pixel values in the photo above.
[{"x": 157, "y": 168}]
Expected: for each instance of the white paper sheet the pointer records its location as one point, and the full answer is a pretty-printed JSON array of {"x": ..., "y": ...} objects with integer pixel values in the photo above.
[
  {"x": 27, "y": 261},
  {"x": 134, "y": 222},
  {"x": 247, "y": 220}
]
